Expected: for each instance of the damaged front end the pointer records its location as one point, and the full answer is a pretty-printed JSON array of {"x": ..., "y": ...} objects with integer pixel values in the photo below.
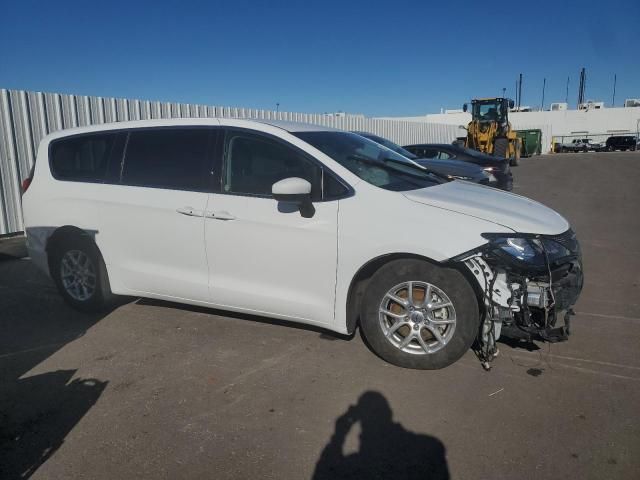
[{"x": 526, "y": 283}]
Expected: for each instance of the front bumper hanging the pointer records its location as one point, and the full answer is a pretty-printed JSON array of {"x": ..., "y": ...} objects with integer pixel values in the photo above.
[{"x": 523, "y": 307}]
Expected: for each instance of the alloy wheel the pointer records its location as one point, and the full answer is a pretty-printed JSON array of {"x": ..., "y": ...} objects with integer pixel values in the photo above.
[
  {"x": 78, "y": 275},
  {"x": 417, "y": 317}
]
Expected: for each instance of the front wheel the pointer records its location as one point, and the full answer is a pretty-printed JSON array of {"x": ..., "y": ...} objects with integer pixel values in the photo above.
[
  {"x": 79, "y": 272},
  {"x": 418, "y": 315}
]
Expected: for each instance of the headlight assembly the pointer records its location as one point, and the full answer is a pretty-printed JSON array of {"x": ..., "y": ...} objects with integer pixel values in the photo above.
[{"x": 529, "y": 250}]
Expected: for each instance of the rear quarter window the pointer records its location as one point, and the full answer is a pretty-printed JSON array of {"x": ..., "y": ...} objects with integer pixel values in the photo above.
[{"x": 82, "y": 158}]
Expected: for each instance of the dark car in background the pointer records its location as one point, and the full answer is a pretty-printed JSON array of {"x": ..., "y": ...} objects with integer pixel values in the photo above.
[
  {"x": 450, "y": 169},
  {"x": 497, "y": 166},
  {"x": 622, "y": 142}
]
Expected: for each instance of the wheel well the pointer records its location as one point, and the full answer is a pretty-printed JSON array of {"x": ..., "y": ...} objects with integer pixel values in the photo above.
[
  {"x": 361, "y": 279},
  {"x": 62, "y": 235}
]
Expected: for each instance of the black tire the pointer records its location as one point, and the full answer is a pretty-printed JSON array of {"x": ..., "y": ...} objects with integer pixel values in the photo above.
[
  {"x": 500, "y": 147},
  {"x": 101, "y": 298},
  {"x": 449, "y": 281}
]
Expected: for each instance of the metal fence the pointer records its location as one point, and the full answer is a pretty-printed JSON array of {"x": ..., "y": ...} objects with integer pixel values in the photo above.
[{"x": 26, "y": 117}]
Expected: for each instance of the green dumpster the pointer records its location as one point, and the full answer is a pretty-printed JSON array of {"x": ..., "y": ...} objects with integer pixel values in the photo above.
[{"x": 531, "y": 142}]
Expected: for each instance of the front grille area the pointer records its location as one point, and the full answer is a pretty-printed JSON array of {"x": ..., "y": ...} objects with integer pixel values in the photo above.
[
  {"x": 568, "y": 240},
  {"x": 566, "y": 290}
]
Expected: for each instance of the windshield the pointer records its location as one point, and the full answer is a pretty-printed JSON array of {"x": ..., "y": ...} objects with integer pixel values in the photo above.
[
  {"x": 370, "y": 161},
  {"x": 487, "y": 111}
]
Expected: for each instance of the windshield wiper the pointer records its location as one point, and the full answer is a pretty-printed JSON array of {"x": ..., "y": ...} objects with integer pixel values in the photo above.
[
  {"x": 409, "y": 176},
  {"x": 421, "y": 167},
  {"x": 383, "y": 164}
]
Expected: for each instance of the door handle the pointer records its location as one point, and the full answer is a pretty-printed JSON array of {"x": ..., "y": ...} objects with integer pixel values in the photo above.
[
  {"x": 221, "y": 215},
  {"x": 190, "y": 211}
]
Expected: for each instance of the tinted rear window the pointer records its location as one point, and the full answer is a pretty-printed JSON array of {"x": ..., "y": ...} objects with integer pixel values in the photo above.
[
  {"x": 168, "y": 158},
  {"x": 82, "y": 158}
]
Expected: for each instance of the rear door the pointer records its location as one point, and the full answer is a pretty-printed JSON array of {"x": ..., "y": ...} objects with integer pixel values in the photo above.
[{"x": 155, "y": 216}]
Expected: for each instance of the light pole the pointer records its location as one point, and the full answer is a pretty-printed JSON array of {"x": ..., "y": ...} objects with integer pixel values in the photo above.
[{"x": 277, "y": 107}]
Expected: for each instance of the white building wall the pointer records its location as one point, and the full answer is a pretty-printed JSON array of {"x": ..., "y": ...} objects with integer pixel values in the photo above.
[{"x": 596, "y": 124}]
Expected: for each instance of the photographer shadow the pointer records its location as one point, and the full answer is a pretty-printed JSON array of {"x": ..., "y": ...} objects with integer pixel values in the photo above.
[{"x": 387, "y": 450}]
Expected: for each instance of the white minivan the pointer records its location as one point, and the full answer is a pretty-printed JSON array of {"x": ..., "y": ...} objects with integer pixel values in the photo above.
[{"x": 302, "y": 223}]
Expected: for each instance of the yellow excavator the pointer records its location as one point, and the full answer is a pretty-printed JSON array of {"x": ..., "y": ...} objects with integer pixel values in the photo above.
[{"x": 490, "y": 131}]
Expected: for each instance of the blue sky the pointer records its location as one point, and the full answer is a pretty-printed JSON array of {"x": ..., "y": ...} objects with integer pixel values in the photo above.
[{"x": 377, "y": 58}]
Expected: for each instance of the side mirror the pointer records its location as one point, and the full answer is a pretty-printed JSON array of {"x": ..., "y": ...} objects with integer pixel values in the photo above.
[
  {"x": 512, "y": 104},
  {"x": 464, "y": 107},
  {"x": 294, "y": 190}
]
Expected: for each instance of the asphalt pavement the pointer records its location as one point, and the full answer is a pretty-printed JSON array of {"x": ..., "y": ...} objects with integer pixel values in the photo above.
[{"x": 158, "y": 390}]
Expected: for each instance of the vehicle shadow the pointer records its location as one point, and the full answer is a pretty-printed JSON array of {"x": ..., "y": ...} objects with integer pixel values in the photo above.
[
  {"x": 518, "y": 343},
  {"x": 387, "y": 450},
  {"x": 12, "y": 247},
  {"x": 37, "y": 411},
  {"x": 325, "y": 334}
]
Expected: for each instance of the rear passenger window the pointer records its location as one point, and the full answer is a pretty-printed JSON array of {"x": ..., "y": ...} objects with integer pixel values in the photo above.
[
  {"x": 422, "y": 152},
  {"x": 175, "y": 159},
  {"x": 83, "y": 158}
]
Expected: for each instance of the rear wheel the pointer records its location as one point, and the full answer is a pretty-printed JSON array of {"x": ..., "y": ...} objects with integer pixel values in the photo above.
[
  {"x": 418, "y": 315},
  {"x": 79, "y": 272},
  {"x": 500, "y": 147},
  {"x": 514, "y": 161}
]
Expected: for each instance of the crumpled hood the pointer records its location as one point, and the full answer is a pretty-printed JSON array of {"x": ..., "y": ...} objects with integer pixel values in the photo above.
[{"x": 507, "y": 209}]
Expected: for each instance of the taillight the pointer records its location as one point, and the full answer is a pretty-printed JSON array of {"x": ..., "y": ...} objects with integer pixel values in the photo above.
[
  {"x": 25, "y": 184},
  {"x": 27, "y": 181}
]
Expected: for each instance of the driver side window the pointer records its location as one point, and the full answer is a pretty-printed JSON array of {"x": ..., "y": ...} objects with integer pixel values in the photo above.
[{"x": 253, "y": 163}]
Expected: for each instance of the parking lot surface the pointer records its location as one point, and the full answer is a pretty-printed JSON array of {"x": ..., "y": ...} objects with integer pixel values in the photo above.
[{"x": 157, "y": 390}]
